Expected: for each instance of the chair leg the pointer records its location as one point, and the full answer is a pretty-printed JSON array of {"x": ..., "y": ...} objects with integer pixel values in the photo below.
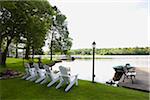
[
  {"x": 52, "y": 82},
  {"x": 76, "y": 78},
  {"x": 25, "y": 76},
  {"x": 131, "y": 79},
  {"x": 60, "y": 84},
  {"x": 33, "y": 78},
  {"x": 76, "y": 82},
  {"x": 44, "y": 81},
  {"x": 124, "y": 79},
  {"x": 40, "y": 79},
  {"x": 28, "y": 78},
  {"x": 70, "y": 85}
]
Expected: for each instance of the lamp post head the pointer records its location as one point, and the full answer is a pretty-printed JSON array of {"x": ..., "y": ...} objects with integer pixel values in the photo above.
[{"x": 94, "y": 44}]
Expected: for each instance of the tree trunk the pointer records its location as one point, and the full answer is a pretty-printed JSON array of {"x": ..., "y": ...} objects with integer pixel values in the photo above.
[
  {"x": 4, "y": 54},
  {"x": 16, "y": 50},
  {"x": 32, "y": 54},
  {"x": 27, "y": 52},
  {"x": 0, "y": 56},
  {"x": 0, "y": 48},
  {"x": 8, "y": 53},
  {"x": 51, "y": 48}
]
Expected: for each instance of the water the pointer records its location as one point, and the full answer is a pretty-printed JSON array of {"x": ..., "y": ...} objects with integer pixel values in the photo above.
[{"x": 103, "y": 67}]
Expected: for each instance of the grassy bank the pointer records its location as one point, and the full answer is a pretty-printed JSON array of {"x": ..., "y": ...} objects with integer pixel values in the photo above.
[
  {"x": 17, "y": 64},
  {"x": 17, "y": 89}
]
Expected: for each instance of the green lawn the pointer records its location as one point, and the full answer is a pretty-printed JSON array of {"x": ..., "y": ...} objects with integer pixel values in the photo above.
[{"x": 17, "y": 89}]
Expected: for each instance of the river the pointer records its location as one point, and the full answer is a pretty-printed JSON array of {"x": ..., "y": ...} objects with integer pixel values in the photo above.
[{"x": 103, "y": 67}]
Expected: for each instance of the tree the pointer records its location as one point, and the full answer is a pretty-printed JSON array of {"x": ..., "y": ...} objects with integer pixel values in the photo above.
[
  {"x": 28, "y": 19},
  {"x": 39, "y": 24},
  {"x": 10, "y": 28},
  {"x": 60, "y": 40}
]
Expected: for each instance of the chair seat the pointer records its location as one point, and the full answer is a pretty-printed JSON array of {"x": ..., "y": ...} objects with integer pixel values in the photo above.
[
  {"x": 49, "y": 75},
  {"x": 55, "y": 75},
  {"x": 42, "y": 72},
  {"x": 32, "y": 71},
  {"x": 131, "y": 73}
]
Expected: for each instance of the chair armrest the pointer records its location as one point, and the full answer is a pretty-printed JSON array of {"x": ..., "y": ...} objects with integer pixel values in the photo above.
[
  {"x": 69, "y": 75},
  {"x": 132, "y": 71},
  {"x": 76, "y": 75},
  {"x": 64, "y": 75},
  {"x": 57, "y": 73}
]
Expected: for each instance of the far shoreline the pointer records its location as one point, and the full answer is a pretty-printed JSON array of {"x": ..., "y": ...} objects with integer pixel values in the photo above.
[{"x": 96, "y": 56}]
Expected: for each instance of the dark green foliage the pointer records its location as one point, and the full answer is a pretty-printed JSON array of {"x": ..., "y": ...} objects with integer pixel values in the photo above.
[
  {"x": 39, "y": 52},
  {"x": 29, "y": 19},
  {"x": 60, "y": 42}
]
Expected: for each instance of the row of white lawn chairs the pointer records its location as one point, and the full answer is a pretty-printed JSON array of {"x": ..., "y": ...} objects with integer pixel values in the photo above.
[{"x": 44, "y": 75}]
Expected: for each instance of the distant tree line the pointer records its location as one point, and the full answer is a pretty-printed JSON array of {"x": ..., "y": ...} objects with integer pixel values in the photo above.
[{"x": 113, "y": 51}]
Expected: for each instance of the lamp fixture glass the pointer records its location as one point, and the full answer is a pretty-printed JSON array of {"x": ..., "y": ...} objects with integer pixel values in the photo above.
[{"x": 94, "y": 44}]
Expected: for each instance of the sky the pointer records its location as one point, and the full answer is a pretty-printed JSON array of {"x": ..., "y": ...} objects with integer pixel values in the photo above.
[{"x": 110, "y": 23}]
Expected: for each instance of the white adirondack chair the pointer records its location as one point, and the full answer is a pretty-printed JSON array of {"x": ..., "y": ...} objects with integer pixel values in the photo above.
[
  {"x": 27, "y": 67},
  {"x": 65, "y": 77},
  {"x": 50, "y": 75},
  {"x": 41, "y": 73},
  {"x": 36, "y": 74},
  {"x": 33, "y": 74}
]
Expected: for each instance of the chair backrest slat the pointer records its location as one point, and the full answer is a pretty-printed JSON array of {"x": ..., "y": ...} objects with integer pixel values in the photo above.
[
  {"x": 27, "y": 67},
  {"x": 48, "y": 72},
  {"x": 36, "y": 68},
  {"x": 64, "y": 71}
]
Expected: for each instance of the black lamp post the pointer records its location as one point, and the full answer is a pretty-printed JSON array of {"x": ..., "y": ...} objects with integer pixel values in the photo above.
[
  {"x": 50, "y": 50},
  {"x": 93, "y": 75}
]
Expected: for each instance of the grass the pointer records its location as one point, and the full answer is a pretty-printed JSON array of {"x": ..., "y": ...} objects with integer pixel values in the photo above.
[
  {"x": 17, "y": 89},
  {"x": 17, "y": 64}
]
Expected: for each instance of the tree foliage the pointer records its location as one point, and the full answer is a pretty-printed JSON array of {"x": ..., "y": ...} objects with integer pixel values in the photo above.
[
  {"x": 28, "y": 19},
  {"x": 60, "y": 40},
  {"x": 113, "y": 51},
  {"x": 29, "y": 22}
]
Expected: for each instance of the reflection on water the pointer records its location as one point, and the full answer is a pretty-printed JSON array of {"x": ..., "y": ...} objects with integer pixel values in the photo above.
[{"x": 103, "y": 67}]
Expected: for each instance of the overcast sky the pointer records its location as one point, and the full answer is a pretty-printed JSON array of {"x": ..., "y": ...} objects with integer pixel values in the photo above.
[{"x": 110, "y": 23}]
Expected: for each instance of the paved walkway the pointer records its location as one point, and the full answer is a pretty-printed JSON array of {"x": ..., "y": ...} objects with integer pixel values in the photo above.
[{"x": 141, "y": 82}]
